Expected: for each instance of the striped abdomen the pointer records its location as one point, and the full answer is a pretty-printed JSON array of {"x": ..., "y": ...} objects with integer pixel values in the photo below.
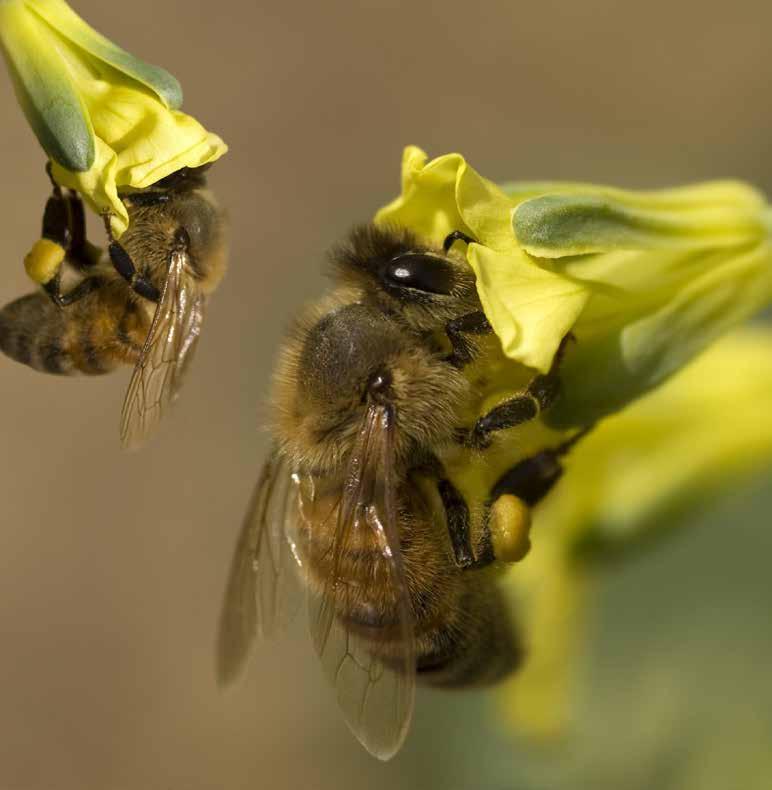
[
  {"x": 92, "y": 336},
  {"x": 463, "y": 627}
]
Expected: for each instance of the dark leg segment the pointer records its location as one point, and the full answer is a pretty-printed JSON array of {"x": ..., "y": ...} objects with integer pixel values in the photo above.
[
  {"x": 533, "y": 478},
  {"x": 64, "y": 223},
  {"x": 149, "y": 198},
  {"x": 83, "y": 288},
  {"x": 124, "y": 265},
  {"x": 470, "y": 324},
  {"x": 82, "y": 254},
  {"x": 457, "y": 517},
  {"x": 539, "y": 395},
  {"x": 457, "y": 235},
  {"x": 458, "y": 521},
  {"x": 56, "y": 220}
]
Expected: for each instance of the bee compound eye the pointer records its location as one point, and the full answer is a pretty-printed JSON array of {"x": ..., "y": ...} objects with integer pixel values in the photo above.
[{"x": 420, "y": 272}]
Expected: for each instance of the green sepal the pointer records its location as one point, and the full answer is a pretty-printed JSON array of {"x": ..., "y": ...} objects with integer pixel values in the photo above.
[
  {"x": 720, "y": 214},
  {"x": 47, "y": 95},
  {"x": 63, "y": 19}
]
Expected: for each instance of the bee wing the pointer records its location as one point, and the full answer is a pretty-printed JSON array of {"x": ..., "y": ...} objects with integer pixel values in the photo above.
[
  {"x": 365, "y": 597},
  {"x": 164, "y": 358},
  {"x": 264, "y": 589}
]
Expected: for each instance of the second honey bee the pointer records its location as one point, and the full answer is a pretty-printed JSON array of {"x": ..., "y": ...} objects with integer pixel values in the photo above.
[
  {"x": 142, "y": 304},
  {"x": 377, "y": 418}
]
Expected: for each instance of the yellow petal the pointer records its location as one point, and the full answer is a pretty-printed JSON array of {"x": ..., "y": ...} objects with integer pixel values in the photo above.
[
  {"x": 531, "y": 309},
  {"x": 139, "y": 142},
  {"x": 485, "y": 209},
  {"x": 427, "y": 204}
]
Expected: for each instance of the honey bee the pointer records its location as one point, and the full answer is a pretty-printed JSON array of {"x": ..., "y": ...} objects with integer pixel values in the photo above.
[
  {"x": 363, "y": 505},
  {"x": 142, "y": 304}
]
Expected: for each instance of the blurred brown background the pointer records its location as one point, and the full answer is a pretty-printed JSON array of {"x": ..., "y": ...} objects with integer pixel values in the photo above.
[{"x": 112, "y": 565}]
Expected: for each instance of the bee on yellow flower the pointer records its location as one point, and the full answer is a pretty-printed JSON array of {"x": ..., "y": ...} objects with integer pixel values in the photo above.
[
  {"x": 472, "y": 337},
  {"x": 116, "y": 139}
]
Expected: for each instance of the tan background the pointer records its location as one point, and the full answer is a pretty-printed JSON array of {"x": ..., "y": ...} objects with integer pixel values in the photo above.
[{"x": 112, "y": 565}]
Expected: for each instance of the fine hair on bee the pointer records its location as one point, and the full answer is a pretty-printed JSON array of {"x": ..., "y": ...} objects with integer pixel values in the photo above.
[
  {"x": 375, "y": 402},
  {"x": 142, "y": 303}
]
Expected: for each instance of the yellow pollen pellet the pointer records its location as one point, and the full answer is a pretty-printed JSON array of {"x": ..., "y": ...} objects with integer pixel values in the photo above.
[
  {"x": 510, "y": 525},
  {"x": 42, "y": 262}
]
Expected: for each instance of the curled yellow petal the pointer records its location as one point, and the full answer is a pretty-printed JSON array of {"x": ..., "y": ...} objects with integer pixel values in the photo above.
[
  {"x": 532, "y": 308},
  {"x": 427, "y": 204}
]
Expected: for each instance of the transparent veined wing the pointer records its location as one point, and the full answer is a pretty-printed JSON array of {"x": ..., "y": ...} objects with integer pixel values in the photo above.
[
  {"x": 168, "y": 349},
  {"x": 265, "y": 581},
  {"x": 359, "y": 606}
]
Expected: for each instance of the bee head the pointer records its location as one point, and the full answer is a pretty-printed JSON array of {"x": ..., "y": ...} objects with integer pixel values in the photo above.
[{"x": 405, "y": 277}]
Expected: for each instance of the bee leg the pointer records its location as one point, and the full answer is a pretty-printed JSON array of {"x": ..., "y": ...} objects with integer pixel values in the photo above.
[
  {"x": 470, "y": 324},
  {"x": 149, "y": 198},
  {"x": 458, "y": 521},
  {"x": 81, "y": 253},
  {"x": 83, "y": 288},
  {"x": 539, "y": 395},
  {"x": 508, "y": 522},
  {"x": 533, "y": 478},
  {"x": 63, "y": 237},
  {"x": 44, "y": 261},
  {"x": 124, "y": 265},
  {"x": 455, "y": 236}
]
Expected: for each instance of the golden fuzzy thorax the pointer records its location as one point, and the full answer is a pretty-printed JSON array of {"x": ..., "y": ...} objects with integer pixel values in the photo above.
[{"x": 316, "y": 430}]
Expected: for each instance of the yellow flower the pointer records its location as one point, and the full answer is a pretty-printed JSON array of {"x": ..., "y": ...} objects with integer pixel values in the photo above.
[
  {"x": 638, "y": 474},
  {"x": 107, "y": 121},
  {"x": 643, "y": 280}
]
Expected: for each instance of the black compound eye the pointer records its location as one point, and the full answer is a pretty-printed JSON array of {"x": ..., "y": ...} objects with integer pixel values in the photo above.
[{"x": 421, "y": 272}]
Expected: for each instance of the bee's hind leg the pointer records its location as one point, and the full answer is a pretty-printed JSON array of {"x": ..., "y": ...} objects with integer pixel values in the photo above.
[
  {"x": 458, "y": 522},
  {"x": 505, "y": 531},
  {"x": 64, "y": 223},
  {"x": 520, "y": 488},
  {"x": 54, "y": 289},
  {"x": 63, "y": 237}
]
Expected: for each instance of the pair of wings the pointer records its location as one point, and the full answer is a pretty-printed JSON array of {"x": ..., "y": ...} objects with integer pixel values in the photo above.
[
  {"x": 375, "y": 690},
  {"x": 166, "y": 353}
]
